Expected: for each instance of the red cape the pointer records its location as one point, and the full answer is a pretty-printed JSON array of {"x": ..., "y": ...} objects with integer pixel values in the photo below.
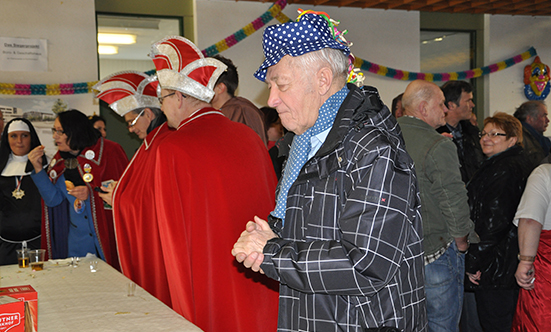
[
  {"x": 107, "y": 160},
  {"x": 136, "y": 229},
  {"x": 212, "y": 176},
  {"x": 533, "y": 312}
]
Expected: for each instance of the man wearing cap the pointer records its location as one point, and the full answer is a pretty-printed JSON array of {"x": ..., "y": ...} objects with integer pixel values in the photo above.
[
  {"x": 142, "y": 121},
  {"x": 133, "y": 95},
  {"x": 204, "y": 186},
  {"x": 132, "y": 197},
  {"x": 344, "y": 240}
]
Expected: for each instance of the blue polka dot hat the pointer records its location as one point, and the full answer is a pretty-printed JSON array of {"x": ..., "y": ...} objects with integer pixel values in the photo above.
[{"x": 311, "y": 33}]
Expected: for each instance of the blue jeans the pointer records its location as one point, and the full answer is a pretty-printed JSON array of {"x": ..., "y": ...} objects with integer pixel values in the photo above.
[{"x": 444, "y": 290}]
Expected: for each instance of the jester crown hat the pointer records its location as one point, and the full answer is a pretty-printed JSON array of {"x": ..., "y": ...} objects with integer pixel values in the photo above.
[
  {"x": 127, "y": 91},
  {"x": 181, "y": 66},
  {"x": 311, "y": 32}
]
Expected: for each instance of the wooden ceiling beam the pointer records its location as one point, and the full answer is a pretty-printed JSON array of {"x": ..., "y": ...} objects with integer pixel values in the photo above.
[
  {"x": 430, "y": 8},
  {"x": 432, "y": 2},
  {"x": 461, "y": 8},
  {"x": 373, "y": 2},
  {"x": 321, "y": 2},
  {"x": 381, "y": 4},
  {"x": 398, "y": 4},
  {"x": 456, "y": 3},
  {"x": 346, "y": 3},
  {"x": 542, "y": 4}
]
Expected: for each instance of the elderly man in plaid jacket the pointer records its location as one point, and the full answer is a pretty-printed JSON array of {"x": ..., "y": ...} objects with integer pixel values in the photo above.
[{"x": 344, "y": 240}]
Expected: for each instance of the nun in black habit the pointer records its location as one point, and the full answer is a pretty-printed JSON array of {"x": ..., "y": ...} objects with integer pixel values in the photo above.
[{"x": 20, "y": 201}]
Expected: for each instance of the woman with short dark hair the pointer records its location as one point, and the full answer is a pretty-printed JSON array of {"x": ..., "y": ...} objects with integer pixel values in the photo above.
[
  {"x": 98, "y": 122},
  {"x": 76, "y": 220}
]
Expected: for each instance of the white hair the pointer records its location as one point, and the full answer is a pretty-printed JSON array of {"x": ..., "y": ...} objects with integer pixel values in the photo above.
[{"x": 336, "y": 60}]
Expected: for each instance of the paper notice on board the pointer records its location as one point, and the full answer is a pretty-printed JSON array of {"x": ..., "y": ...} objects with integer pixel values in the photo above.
[{"x": 23, "y": 54}]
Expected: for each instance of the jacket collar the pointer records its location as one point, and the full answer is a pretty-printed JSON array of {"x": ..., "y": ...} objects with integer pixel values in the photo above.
[
  {"x": 362, "y": 106},
  {"x": 148, "y": 141}
]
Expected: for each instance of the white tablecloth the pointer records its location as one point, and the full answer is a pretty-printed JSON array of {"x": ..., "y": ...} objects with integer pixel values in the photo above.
[{"x": 75, "y": 299}]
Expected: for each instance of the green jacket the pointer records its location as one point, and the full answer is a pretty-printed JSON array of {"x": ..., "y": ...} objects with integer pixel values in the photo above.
[{"x": 444, "y": 205}]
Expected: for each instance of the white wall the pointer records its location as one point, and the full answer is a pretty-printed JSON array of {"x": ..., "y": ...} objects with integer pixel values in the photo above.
[
  {"x": 70, "y": 28},
  {"x": 389, "y": 38},
  {"x": 511, "y": 35},
  {"x": 110, "y": 66}
]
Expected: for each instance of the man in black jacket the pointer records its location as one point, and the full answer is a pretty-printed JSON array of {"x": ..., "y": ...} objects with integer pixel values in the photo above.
[
  {"x": 533, "y": 116},
  {"x": 459, "y": 100},
  {"x": 345, "y": 237}
]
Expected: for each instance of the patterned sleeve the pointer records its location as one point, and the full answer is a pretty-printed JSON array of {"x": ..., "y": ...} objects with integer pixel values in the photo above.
[{"x": 371, "y": 234}]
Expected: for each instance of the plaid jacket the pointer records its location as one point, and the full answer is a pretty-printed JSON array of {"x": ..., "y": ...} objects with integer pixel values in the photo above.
[{"x": 350, "y": 255}]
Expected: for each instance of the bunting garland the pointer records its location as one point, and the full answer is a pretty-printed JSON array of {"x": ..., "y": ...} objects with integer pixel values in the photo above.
[
  {"x": 443, "y": 77},
  {"x": 46, "y": 89},
  {"x": 75, "y": 88},
  {"x": 275, "y": 11}
]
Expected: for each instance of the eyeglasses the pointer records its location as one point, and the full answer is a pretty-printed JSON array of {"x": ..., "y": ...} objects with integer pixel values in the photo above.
[
  {"x": 163, "y": 98},
  {"x": 59, "y": 132},
  {"x": 131, "y": 124},
  {"x": 490, "y": 135}
]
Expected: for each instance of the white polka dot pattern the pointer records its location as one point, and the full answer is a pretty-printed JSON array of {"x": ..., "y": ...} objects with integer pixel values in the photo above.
[
  {"x": 311, "y": 33},
  {"x": 301, "y": 147}
]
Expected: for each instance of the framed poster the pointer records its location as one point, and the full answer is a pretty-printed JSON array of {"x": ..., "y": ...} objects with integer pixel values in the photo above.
[{"x": 42, "y": 111}]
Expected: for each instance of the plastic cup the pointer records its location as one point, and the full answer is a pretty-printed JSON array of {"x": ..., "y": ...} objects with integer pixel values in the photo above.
[
  {"x": 131, "y": 289},
  {"x": 22, "y": 258},
  {"x": 94, "y": 265},
  {"x": 36, "y": 259}
]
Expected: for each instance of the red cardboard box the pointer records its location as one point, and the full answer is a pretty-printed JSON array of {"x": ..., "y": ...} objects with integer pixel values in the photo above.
[
  {"x": 28, "y": 295},
  {"x": 12, "y": 314}
]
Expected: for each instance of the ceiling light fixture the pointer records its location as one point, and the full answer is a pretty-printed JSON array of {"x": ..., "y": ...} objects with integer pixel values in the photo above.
[
  {"x": 111, "y": 21},
  {"x": 116, "y": 38},
  {"x": 108, "y": 49}
]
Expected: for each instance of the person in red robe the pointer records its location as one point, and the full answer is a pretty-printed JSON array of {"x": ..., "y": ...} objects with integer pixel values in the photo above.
[
  {"x": 533, "y": 275},
  {"x": 210, "y": 175},
  {"x": 138, "y": 243},
  {"x": 75, "y": 221}
]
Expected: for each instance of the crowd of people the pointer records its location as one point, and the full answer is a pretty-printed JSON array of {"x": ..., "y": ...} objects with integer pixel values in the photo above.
[
  {"x": 323, "y": 211},
  {"x": 472, "y": 275}
]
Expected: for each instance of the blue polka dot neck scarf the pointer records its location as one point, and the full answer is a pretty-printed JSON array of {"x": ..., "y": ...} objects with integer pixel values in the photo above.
[{"x": 298, "y": 156}]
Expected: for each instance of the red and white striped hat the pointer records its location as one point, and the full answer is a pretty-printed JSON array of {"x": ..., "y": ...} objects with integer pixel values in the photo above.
[
  {"x": 181, "y": 66},
  {"x": 130, "y": 90}
]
